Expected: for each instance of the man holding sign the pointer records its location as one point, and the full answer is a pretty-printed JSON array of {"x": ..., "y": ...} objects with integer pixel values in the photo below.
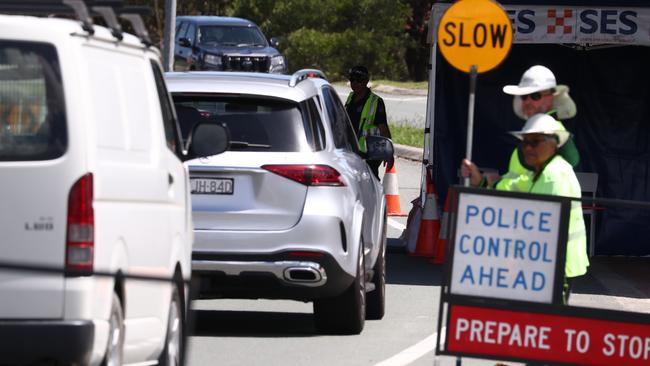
[{"x": 541, "y": 138}]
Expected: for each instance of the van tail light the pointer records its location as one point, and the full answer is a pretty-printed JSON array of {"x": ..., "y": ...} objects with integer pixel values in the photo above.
[
  {"x": 309, "y": 175},
  {"x": 80, "y": 240}
]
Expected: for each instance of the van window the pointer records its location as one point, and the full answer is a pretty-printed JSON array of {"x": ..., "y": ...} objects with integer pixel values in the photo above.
[
  {"x": 32, "y": 107},
  {"x": 169, "y": 120}
]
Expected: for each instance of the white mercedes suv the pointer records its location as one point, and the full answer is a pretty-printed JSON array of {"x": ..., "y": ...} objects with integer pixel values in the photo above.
[{"x": 291, "y": 210}]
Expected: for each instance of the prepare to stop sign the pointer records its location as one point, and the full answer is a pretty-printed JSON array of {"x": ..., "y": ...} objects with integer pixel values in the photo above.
[{"x": 475, "y": 32}]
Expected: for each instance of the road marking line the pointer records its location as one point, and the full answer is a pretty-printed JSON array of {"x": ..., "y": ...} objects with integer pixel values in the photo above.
[
  {"x": 412, "y": 353},
  {"x": 396, "y": 224}
]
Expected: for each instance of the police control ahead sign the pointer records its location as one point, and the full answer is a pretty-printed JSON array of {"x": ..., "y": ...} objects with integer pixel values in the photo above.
[
  {"x": 507, "y": 247},
  {"x": 475, "y": 32}
]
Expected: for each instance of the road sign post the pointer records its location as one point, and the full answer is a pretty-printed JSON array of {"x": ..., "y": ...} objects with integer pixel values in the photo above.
[{"x": 474, "y": 36}]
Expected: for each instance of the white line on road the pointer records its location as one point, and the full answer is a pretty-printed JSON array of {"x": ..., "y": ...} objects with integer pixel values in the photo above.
[
  {"x": 412, "y": 353},
  {"x": 396, "y": 224}
]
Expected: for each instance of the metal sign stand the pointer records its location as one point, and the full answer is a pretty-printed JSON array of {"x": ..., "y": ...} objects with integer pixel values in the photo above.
[{"x": 470, "y": 117}]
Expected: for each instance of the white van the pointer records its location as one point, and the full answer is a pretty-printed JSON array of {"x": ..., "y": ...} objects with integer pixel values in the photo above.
[{"x": 92, "y": 182}]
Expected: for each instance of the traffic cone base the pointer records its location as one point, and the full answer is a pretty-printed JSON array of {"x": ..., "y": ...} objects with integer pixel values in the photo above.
[{"x": 441, "y": 244}]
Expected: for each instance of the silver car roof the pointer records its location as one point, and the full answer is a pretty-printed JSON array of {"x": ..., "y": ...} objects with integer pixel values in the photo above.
[{"x": 249, "y": 83}]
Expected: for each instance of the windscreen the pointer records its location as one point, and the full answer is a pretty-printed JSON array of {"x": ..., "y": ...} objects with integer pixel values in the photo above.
[
  {"x": 32, "y": 108},
  {"x": 254, "y": 124},
  {"x": 231, "y": 36}
]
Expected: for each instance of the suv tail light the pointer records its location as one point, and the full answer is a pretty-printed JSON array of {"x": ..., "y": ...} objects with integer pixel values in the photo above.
[
  {"x": 80, "y": 240},
  {"x": 309, "y": 175}
]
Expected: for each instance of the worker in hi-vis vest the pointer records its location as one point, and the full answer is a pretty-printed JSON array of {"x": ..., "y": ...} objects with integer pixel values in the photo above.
[
  {"x": 538, "y": 92},
  {"x": 367, "y": 113},
  {"x": 540, "y": 142}
]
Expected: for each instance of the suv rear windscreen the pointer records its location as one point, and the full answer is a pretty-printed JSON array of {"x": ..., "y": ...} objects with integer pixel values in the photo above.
[
  {"x": 32, "y": 108},
  {"x": 255, "y": 124}
]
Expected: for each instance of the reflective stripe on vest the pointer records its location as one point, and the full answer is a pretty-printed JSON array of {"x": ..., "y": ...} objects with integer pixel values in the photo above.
[{"x": 367, "y": 125}]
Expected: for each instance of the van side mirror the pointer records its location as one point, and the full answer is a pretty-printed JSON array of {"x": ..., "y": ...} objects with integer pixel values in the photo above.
[
  {"x": 379, "y": 148},
  {"x": 208, "y": 139},
  {"x": 275, "y": 42},
  {"x": 184, "y": 42}
]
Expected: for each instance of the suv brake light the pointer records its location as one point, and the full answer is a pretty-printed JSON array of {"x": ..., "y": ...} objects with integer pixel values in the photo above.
[
  {"x": 309, "y": 175},
  {"x": 80, "y": 238}
]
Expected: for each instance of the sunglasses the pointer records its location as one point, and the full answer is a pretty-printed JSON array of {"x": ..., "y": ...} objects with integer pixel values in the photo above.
[
  {"x": 535, "y": 142},
  {"x": 536, "y": 95}
]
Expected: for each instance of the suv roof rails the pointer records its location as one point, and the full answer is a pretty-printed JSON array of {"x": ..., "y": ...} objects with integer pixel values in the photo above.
[
  {"x": 303, "y": 74},
  {"x": 107, "y": 9}
]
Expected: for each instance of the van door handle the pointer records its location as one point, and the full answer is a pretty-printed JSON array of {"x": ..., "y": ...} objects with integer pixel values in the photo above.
[{"x": 170, "y": 179}]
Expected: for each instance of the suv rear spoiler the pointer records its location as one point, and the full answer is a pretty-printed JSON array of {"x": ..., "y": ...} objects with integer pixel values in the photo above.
[
  {"x": 303, "y": 74},
  {"x": 107, "y": 9}
]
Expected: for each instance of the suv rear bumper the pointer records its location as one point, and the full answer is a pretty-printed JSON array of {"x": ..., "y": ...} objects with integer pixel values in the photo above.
[
  {"x": 34, "y": 341},
  {"x": 272, "y": 276}
]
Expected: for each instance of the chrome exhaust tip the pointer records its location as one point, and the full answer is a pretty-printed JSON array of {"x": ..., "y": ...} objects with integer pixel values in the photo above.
[{"x": 307, "y": 274}]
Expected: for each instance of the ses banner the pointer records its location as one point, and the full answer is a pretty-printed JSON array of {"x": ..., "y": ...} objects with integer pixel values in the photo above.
[
  {"x": 579, "y": 25},
  {"x": 507, "y": 248},
  {"x": 557, "y": 338}
]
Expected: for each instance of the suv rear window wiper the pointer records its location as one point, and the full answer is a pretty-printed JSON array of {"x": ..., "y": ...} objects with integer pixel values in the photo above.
[{"x": 244, "y": 144}]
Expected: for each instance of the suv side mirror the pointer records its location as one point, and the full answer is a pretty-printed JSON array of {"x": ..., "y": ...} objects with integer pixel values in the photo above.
[
  {"x": 275, "y": 43},
  {"x": 379, "y": 148},
  {"x": 184, "y": 42},
  {"x": 208, "y": 139}
]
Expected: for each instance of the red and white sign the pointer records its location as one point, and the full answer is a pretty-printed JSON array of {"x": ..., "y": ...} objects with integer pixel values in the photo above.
[
  {"x": 497, "y": 333},
  {"x": 575, "y": 24}
]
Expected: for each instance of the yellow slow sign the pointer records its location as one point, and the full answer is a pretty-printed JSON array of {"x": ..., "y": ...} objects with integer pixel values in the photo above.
[{"x": 475, "y": 32}]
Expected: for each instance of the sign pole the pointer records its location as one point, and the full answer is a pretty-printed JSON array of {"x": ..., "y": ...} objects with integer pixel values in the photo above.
[{"x": 470, "y": 117}]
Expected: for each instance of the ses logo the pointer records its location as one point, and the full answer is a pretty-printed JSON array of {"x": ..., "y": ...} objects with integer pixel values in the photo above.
[{"x": 563, "y": 21}]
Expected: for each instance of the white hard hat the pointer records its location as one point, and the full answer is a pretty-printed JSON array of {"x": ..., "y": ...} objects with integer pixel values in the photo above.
[
  {"x": 544, "y": 124},
  {"x": 535, "y": 79}
]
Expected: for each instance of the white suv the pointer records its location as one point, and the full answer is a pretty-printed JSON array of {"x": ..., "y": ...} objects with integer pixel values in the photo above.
[
  {"x": 292, "y": 209},
  {"x": 95, "y": 198}
]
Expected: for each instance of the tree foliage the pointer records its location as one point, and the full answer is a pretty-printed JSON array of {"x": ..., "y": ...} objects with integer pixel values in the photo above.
[
  {"x": 388, "y": 36},
  {"x": 334, "y": 35}
]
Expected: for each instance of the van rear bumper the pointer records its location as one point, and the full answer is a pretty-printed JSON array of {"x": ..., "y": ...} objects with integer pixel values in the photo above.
[{"x": 36, "y": 341}]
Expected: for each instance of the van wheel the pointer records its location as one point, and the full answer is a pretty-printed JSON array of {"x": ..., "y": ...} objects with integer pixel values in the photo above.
[
  {"x": 172, "y": 354},
  {"x": 346, "y": 313},
  {"x": 115, "y": 348},
  {"x": 376, "y": 307}
]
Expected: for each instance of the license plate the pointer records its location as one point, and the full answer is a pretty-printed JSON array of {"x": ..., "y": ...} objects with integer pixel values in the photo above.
[{"x": 212, "y": 185}]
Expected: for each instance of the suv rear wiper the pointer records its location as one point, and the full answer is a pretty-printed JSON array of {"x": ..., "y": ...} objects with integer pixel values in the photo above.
[{"x": 244, "y": 144}]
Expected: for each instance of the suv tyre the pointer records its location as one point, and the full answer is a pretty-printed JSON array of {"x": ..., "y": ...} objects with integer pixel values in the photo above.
[
  {"x": 115, "y": 348},
  {"x": 346, "y": 313},
  {"x": 376, "y": 306}
]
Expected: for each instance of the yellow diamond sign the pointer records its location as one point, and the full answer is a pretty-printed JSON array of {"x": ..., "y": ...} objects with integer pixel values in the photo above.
[{"x": 475, "y": 32}]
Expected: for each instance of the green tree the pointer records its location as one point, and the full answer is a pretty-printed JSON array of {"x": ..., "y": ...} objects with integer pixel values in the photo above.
[{"x": 334, "y": 35}]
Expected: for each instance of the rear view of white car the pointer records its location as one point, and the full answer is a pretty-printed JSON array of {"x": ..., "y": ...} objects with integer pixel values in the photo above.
[
  {"x": 291, "y": 210},
  {"x": 92, "y": 184}
]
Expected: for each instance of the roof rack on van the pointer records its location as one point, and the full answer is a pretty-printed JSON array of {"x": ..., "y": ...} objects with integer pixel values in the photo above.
[
  {"x": 107, "y": 9},
  {"x": 303, "y": 74}
]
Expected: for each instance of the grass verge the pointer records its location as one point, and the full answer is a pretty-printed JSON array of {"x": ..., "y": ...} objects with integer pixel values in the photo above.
[{"x": 407, "y": 135}]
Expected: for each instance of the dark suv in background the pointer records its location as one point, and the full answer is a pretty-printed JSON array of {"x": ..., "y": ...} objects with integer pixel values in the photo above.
[{"x": 224, "y": 44}]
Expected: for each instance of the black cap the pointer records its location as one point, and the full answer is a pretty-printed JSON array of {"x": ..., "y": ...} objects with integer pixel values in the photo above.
[{"x": 359, "y": 72}]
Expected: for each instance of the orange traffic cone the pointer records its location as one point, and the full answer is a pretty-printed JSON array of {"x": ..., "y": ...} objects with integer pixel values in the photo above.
[
  {"x": 429, "y": 225},
  {"x": 441, "y": 244},
  {"x": 391, "y": 191}
]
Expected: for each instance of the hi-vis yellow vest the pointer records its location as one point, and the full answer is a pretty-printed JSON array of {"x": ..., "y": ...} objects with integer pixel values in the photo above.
[
  {"x": 558, "y": 179},
  {"x": 367, "y": 125}
]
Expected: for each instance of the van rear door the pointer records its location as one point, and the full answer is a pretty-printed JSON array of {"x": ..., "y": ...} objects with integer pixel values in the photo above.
[{"x": 34, "y": 193}]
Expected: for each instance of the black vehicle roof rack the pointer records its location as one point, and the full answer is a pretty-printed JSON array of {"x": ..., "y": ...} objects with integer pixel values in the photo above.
[{"x": 107, "y": 9}]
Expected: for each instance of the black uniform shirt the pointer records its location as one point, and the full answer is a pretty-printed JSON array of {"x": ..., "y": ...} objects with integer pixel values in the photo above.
[{"x": 355, "y": 109}]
